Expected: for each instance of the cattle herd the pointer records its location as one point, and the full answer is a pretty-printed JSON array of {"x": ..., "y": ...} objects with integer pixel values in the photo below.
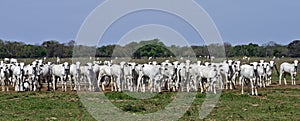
[{"x": 133, "y": 77}]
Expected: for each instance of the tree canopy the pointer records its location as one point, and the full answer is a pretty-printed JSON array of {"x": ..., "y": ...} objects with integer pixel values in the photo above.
[{"x": 146, "y": 48}]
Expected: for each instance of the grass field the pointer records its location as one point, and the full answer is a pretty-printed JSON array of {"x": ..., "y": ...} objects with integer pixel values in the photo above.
[{"x": 274, "y": 103}]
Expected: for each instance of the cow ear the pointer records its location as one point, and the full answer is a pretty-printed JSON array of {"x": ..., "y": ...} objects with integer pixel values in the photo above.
[
  {"x": 251, "y": 65},
  {"x": 129, "y": 65},
  {"x": 143, "y": 65}
]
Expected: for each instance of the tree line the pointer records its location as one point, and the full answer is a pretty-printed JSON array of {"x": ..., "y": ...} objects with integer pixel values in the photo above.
[{"x": 148, "y": 48}]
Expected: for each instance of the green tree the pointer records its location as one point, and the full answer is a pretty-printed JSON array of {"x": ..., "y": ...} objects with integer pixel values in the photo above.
[{"x": 294, "y": 48}]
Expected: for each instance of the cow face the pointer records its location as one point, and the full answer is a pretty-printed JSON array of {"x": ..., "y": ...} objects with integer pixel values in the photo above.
[
  {"x": 238, "y": 65},
  {"x": 198, "y": 63},
  {"x": 66, "y": 66},
  {"x": 21, "y": 66},
  {"x": 132, "y": 66},
  {"x": 296, "y": 63},
  {"x": 230, "y": 62},
  {"x": 77, "y": 65},
  {"x": 254, "y": 64},
  {"x": 272, "y": 64}
]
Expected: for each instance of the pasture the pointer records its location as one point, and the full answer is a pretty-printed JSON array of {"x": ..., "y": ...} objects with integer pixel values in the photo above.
[{"x": 273, "y": 103}]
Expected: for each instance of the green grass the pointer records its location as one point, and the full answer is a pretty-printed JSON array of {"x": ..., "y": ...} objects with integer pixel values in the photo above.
[{"x": 274, "y": 103}]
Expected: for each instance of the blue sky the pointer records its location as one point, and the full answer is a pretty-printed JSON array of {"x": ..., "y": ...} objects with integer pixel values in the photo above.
[{"x": 239, "y": 22}]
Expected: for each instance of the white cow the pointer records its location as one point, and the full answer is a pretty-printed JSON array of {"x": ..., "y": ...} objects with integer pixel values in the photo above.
[
  {"x": 30, "y": 76},
  {"x": 269, "y": 70},
  {"x": 44, "y": 73},
  {"x": 288, "y": 68},
  {"x": 169, "y": 76},
  {"x": 211, "y": 74},
  {"x": 249, "y": 72},
  {"x": 184, "y": 74},
  {"x": 150, "y": 71},
  {"x": 90, "y": 76},
  {"x": 226, "y": 72},
  {"x": 4, "y": 78},
  {"x": 115, "y": 74},
  {"x": 75, "y": 76},
  {"x": 61, "y": 72},
  {"x": 236, "y": 67},
  {"x": 128, "y": 71},
  {"x": 17, "y": 76},
  {"x": 262, "y": 73}
]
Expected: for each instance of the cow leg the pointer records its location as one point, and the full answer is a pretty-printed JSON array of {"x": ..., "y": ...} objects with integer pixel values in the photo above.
[
  {"x": 187, "y": 84},
  {"x": 6, "y": 84},
  {"x": 54, "y": 83},
  {"x": 65, "y": 85},
  {"x": 78, "y": 83},
  {"x": 3, "y": 85},
  {"x": 71, "y": 85},
  {"x": 144, "y": 85},
  {"x": 214, "y": 88},
  {"x": 119, "y": 84},
  {"x": 138, "y": 83},
  {"x": 48, "y": 82},
  {"x": 34, "y": 84},
  {"x": 284, "y": 78},
  {"x": 255, "y": 88},
  {"x": 242, "y": 85},
  {"x": 280, "y": 76},
  {"x": 252, "y": 87}
]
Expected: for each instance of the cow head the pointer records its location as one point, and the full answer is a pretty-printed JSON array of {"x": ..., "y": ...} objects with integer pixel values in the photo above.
[
  {"x": 272, "y": 64},
  {"x": 207, "y": 64},
  {"x": 66, "y": 66},
  {"x": 77, "y": 65},
  {"x": 238, "y": 65},
  {"x": 176, "y": 63},
  {"x": 296, "y": 65},
  {"x": 132, "y": 66},
  {"x": 230, "y": 62},
  {"x": 89, "y": 66},
  {"x": 21, "y": 65},
  {"x": 198, "y": 63}
]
